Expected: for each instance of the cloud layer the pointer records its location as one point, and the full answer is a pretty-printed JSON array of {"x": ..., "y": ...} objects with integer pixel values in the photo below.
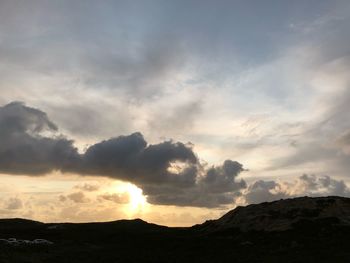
[{"x": 168, "y": 172}]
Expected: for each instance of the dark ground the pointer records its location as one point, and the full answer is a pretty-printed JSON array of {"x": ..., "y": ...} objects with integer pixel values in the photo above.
[
  {"x": 138, "y": 241},
  {"x": 293, "y": 230}
]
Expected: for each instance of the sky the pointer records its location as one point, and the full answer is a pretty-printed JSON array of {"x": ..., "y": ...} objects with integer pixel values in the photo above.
[{"x": 170, "y": 111}]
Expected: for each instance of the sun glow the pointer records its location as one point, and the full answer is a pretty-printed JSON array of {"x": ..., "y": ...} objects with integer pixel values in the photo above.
[
  {"x": 136, "y": 198},
  {"x": 137, "y": 202}
]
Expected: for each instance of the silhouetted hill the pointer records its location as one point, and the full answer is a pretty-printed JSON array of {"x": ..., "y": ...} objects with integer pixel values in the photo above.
[
  {"x": 283, "y": 215},
  {"x": 293, "y": 230},
  {"x": 18, "y": 223}
]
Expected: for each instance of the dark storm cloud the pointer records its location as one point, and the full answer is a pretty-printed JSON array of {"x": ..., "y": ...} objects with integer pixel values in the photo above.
[
  {"x": 222, "y": 178},
  {"x": 130, "y": 158},
  {"x": 23, "y": 147},
  {"x": 218, "y": 186},
  {"x": 193, "y": 197},
  {"x": 168, "y": 172}
]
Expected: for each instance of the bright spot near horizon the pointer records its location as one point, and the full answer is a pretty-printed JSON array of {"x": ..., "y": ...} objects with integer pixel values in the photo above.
[{"x": 137, "y": 201}]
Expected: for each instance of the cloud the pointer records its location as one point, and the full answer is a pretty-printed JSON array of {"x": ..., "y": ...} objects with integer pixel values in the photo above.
[
  {"x": 222, "y": 178},
  {"x": 62, "y": 198},
  {"x": 14, "y": 203},
  {"x": 168, "y": 172},
  {"x": 305, "y": 185},
  {"x": 129, "y": 157},
  {"x": 132, "y": 60},
  {"x": 119, "y": 198},
  {"x": 78, "y": 197},
  {"x": 175, "y": 119},
  {"x": 345, "y": 139},
  {"x": 325, "y": 139},
  {"x": 66, "y": 57},
  {"x": 77, "y": 213},
  {"x": 216, "y": 187},
  {"x": 24, "y": 149},
  {"x": 87, "y": 187}
]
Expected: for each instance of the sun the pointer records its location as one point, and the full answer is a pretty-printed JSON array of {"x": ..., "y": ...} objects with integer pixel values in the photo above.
[{"x": 137, "y": 201}]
